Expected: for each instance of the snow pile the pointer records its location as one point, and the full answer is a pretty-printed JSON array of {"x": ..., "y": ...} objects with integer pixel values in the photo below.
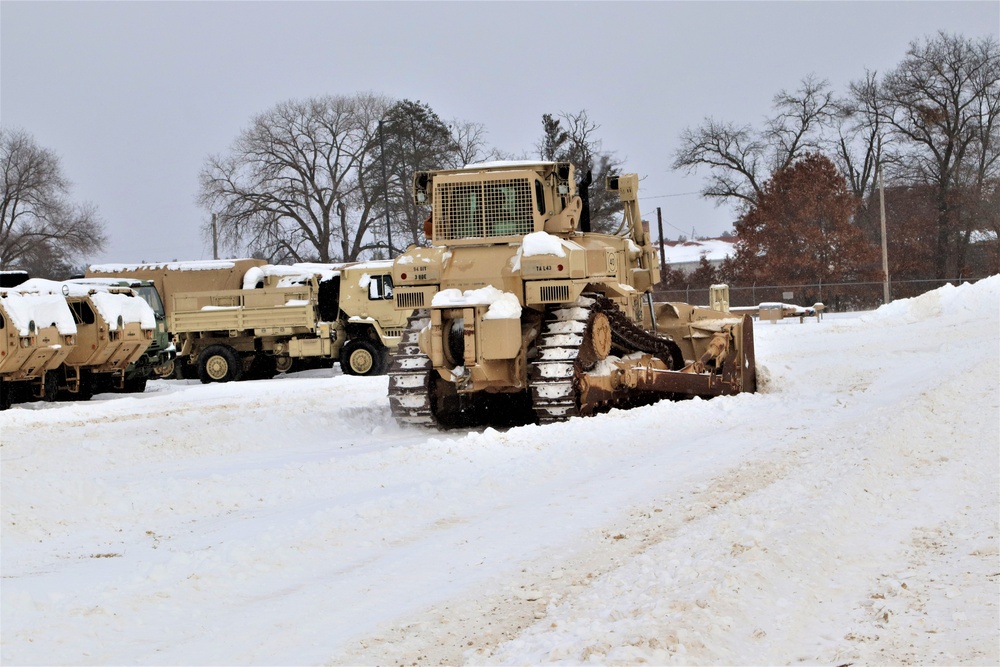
[
  {"x": 847, "y": 513},
  {"x": 966, "y": 299},
  {"x": 502, "y": 305},
  {"x": 542, "y": 243}
]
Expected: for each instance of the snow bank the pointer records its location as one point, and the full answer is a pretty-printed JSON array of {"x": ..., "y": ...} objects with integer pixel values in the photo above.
[
  {"x": 848, "y": 514},
  {"x": 968, "y": 298}
]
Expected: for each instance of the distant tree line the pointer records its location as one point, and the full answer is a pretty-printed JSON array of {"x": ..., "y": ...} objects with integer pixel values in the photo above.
[
  {"x": 328, "y": 178},
  {"x": 805, "y": 183}
]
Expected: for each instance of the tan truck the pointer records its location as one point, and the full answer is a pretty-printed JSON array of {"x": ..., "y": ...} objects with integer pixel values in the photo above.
[
  {"x": 37, "y": 332},
  {"x": 81, "y": 338},
  {"x": 171, "y": 278},
  {"x": 307, "y": 312}
]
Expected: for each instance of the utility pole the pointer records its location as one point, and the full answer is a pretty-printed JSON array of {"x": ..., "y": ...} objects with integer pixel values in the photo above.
[
  {"x": 885, "y": 251},
  {"x": 215, "y": 238},
  {"x": 385, "y": 189},
  {"x": 663, "y": 254}
]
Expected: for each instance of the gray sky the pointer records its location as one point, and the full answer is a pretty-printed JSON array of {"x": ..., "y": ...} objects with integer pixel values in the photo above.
[{"x": 133, "y": 96}]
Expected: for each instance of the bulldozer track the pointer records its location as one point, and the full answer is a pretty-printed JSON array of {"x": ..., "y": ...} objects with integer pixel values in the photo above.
[
  {"x": 410, "y": 377},
  {"x": 558, "y": 366},
  {"x": 554, "y": 372}
]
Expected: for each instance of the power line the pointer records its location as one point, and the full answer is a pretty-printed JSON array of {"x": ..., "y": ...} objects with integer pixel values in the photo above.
[{"x": 678, "y": 194}]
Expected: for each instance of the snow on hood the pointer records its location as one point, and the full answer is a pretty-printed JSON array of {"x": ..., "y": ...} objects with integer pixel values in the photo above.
[
  {"x": 540, "y": 243},
  {"x": 44, "y": 308},
  {"x": 123, "y": 302},
  {"x": 502, "y": 305}
]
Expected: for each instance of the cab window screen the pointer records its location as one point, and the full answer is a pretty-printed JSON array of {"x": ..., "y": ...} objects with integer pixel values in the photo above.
[
  {"x": 82, "y": 312},
  {"x": 497, "y": 208}
]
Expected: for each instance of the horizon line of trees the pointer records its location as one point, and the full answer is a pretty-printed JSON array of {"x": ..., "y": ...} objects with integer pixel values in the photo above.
[{"x": 328, "y": 178}]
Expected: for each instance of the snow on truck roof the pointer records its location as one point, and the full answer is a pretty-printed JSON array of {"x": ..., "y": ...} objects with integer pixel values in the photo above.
[
  {"x": 300, "y": 272},
  {"x": 191, "y": 265},
  {"x": 110, "y": 305},
  {"x": 289, "y": 275},
  {"x": 506, "y": 164}
]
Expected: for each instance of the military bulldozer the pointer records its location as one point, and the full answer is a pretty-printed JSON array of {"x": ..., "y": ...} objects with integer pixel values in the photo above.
[{"x": 522, "y": 314}]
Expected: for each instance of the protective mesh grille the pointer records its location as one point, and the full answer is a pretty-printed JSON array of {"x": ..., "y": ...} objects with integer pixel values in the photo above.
[{"x": 483, "y": 210}]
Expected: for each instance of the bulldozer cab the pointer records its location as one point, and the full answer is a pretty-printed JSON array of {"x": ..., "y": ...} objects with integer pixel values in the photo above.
[{"x": 499, "y": 202}]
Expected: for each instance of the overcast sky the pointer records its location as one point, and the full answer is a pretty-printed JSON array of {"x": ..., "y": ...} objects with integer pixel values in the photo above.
[{"x": 134, "y": 96}]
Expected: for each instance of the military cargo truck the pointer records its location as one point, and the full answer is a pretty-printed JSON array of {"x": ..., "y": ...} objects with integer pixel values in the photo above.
[
  {"x": 319, "y": 312},
  {"x": 73, "y": 339},
  {"x": 161, "y": 351},
  {"x": 37, "y": 332},
  {"x": 172, "y": 278},
  {"x": 115, "y": 327}
]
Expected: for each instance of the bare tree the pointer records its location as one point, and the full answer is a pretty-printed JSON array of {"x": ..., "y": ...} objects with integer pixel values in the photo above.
[
  {"x": 414, "y": 139},
  {"x": 291, "y": 187},
  {"x": 471, "y": 145},
  {"x": 859, "y": 146},
  {"x": 741, "y": 157},
  {"x": 573, "y": 138},
  {"x": 40, "y": 228},
  {"x": 942, "y": 105}
]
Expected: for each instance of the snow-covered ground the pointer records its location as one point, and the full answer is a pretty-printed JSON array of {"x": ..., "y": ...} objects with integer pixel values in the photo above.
[{"x": 847, "y": 513}]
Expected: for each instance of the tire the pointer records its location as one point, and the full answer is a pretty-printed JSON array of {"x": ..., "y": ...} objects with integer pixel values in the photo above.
[
  {"x": 361, "y": 357},
  {"x": 264, "y": 367},
  {"x": 386, "y": 361},
  {"x": 6, "y": 400},
  {"x": 50, "y": 386},
  {"x": 219, "y": 363},
  {"x": 164, "y": 371},
  {"x": 87, "y": 387},
  {"x": 136, "y": 385}
]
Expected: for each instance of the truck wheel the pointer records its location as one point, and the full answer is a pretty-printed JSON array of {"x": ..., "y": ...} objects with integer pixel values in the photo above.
[
  {"x": 282, "y": 364},
  {"x": 5, "y": 398},
  {"x": 360, "y": 357},
  {"x": 50, "y": 386},
  {"x": 164, "y": 371},
  {"x": 264, "y": 367},
  {"x": 136, "y": 385},
  {"x": 219, "y": 363}
]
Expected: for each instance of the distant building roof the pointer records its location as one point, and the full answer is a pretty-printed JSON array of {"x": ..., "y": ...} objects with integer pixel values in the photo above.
[{"x": 687, "y": 254}]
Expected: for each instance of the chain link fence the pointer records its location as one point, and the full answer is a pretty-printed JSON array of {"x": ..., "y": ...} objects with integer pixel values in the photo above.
[{"x": 837, "y": 297}]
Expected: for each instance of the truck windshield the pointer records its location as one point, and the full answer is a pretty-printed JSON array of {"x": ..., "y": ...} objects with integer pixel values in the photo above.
[{"x": 152, "y": 297}]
